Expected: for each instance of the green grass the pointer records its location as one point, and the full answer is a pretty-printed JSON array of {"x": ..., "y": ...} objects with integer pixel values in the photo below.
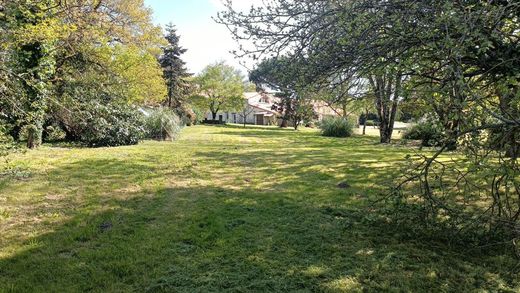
[{"x": 223, "y": 209}]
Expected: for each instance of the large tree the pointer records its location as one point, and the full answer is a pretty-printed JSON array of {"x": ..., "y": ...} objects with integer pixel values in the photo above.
[
  {"x": 294, "y": 97},
  {"x": 174, "y": 68},
  {"x": 64, "y": 53},
  {"x": 460, "y": 59},
  {"x": 220, "y": 87}
]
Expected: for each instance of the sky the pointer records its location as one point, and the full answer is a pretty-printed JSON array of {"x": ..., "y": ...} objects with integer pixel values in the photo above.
[{"x": 206, "y": 41}]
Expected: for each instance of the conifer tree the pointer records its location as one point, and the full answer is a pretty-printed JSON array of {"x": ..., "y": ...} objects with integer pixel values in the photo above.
[{"x": 175, "y": 72}]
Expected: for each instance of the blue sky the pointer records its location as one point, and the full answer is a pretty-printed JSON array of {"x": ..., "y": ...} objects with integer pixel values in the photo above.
[{"x": 207, "y": 42}]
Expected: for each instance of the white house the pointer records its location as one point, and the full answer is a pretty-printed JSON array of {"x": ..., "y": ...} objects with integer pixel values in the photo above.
[
  {"x": 259, "y": 107},
  {"x": 258, "y": 110}
]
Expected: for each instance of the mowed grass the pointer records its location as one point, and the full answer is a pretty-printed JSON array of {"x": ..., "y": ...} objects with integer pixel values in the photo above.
[{"x": 224, "y": 209}]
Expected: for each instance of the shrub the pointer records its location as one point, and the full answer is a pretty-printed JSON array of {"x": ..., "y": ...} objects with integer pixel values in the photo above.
[
  {"x": 53, "y": 133},
  {"x": 199, "y": 115},
  {"x": 163, "y": 124},
  {"x": 7, "y": 144},
  {"x": 428, "y": 132},
  {"x": 336, "y": 127},
  {"x": 98, "y": 125},
  {"x": 372, "y": 123},
  {"x": 370, "y": 116}
]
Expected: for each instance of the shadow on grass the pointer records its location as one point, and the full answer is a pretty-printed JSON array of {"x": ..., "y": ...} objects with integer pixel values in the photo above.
[
  {"x": 210, "y": 239},
  {"x": 261, "y": 215}
]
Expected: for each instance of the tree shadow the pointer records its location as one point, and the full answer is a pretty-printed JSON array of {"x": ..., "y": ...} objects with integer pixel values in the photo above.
[
  {"x": 267, "y": 219},
  {"x": 209, "y": 239}
]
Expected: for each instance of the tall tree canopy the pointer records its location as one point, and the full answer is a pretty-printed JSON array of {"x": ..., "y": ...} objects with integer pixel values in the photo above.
[
  {"x": 60, "y": 54},
  {"x": 220, "y": 87},
  {"x": 295, "y": 103},
  {"x": 174, "y": 68}
]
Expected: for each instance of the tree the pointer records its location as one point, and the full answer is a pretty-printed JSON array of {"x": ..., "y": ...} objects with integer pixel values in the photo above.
[
  {"x": 175, "y": 72},
  {"x": 294, "y": 108},
  {"x": 220, "y": 87},
  {"x": 295, "y": 97},
  {"x": 386, "y": 88},
  {"x": 59, "y": 54},
  {"x": 460, "y": 59},
  {"x": 246, "y": 111}
]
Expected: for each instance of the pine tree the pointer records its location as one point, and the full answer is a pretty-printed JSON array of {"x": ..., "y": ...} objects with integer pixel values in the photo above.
[{"x": 175, "y": 72}]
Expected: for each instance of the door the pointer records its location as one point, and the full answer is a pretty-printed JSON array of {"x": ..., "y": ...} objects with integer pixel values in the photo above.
[{"x": 260, "y": 119}]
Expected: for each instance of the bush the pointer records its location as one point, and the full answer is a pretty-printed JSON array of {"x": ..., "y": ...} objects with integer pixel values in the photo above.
[
  {"x": 372, "y": 123},
  {"x": 99, "y": 125},
  {"x": 370, "y": 116},
  {"x": 199, "y": 116},
  {"x": 428, "y": 132},
  {"x": 7, "y": 143},
  {"x": 336, "y": 127},
  {"x": 53, "y": 133},
  {"x": 163, "y": 124}
]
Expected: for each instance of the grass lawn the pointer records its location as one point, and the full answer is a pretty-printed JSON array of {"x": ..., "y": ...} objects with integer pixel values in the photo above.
[{"x": 223, "y": 209}]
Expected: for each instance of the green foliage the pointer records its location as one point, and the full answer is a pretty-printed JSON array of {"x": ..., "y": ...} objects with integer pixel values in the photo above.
[
  {"x": 220, "y": 87},
  {"x": 336, "y": 127},
  {"x": 371, "y": 123},
  {"x": 136, "y": 74},
  {"x": 102, "y": 125},
  {"x": 162, "y": 124},
  {"x": 199, "y": 115},
  {"x": 7, "y": 144},
  {"x": 428, "y": 132},
  {"x": 56, "y": 56},
  {"x": 175, "y": 73}
]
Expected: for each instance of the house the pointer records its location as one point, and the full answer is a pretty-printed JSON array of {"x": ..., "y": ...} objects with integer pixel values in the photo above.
[{"x": 258, "y": 111}]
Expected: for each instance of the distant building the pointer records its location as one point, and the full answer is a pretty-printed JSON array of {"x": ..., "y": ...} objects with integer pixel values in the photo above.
[{"x": 259, "y": 111}]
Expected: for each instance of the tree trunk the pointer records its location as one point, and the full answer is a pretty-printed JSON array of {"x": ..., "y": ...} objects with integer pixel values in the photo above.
[
  {"x": 511, "y": 139},
  {"x": 34, "y": 136},
  {"x": 365, "y": 122},
  {"x": 387, "y": 88},
  {"x": 284, "y": 123},
  {"x": 214, "y": 115},
  {"x": 513, "y": 146},
  {"x": 169, "y": 97}
]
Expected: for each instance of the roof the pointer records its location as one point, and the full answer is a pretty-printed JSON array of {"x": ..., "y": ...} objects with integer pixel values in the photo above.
[{"x": 262, "y": 101}]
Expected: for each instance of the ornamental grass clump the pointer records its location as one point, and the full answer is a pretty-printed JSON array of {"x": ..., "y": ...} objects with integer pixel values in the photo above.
[{"x": 336, "y": 127}]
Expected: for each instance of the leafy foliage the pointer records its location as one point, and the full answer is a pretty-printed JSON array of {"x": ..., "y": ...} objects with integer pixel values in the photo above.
[
  {"x": 446, "y": 57},
  {"x": 428, "y": 132},
  {"x": 295, "y": 109},
  {"x": 220, "y": 87},
  {"x": 7, "y": 144},
  {"x": 336, "y": 127},
  {"x": 101, "y": 125},
  {"x": 63, "y": 55},
  {"x": 295, "y": 103}
]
